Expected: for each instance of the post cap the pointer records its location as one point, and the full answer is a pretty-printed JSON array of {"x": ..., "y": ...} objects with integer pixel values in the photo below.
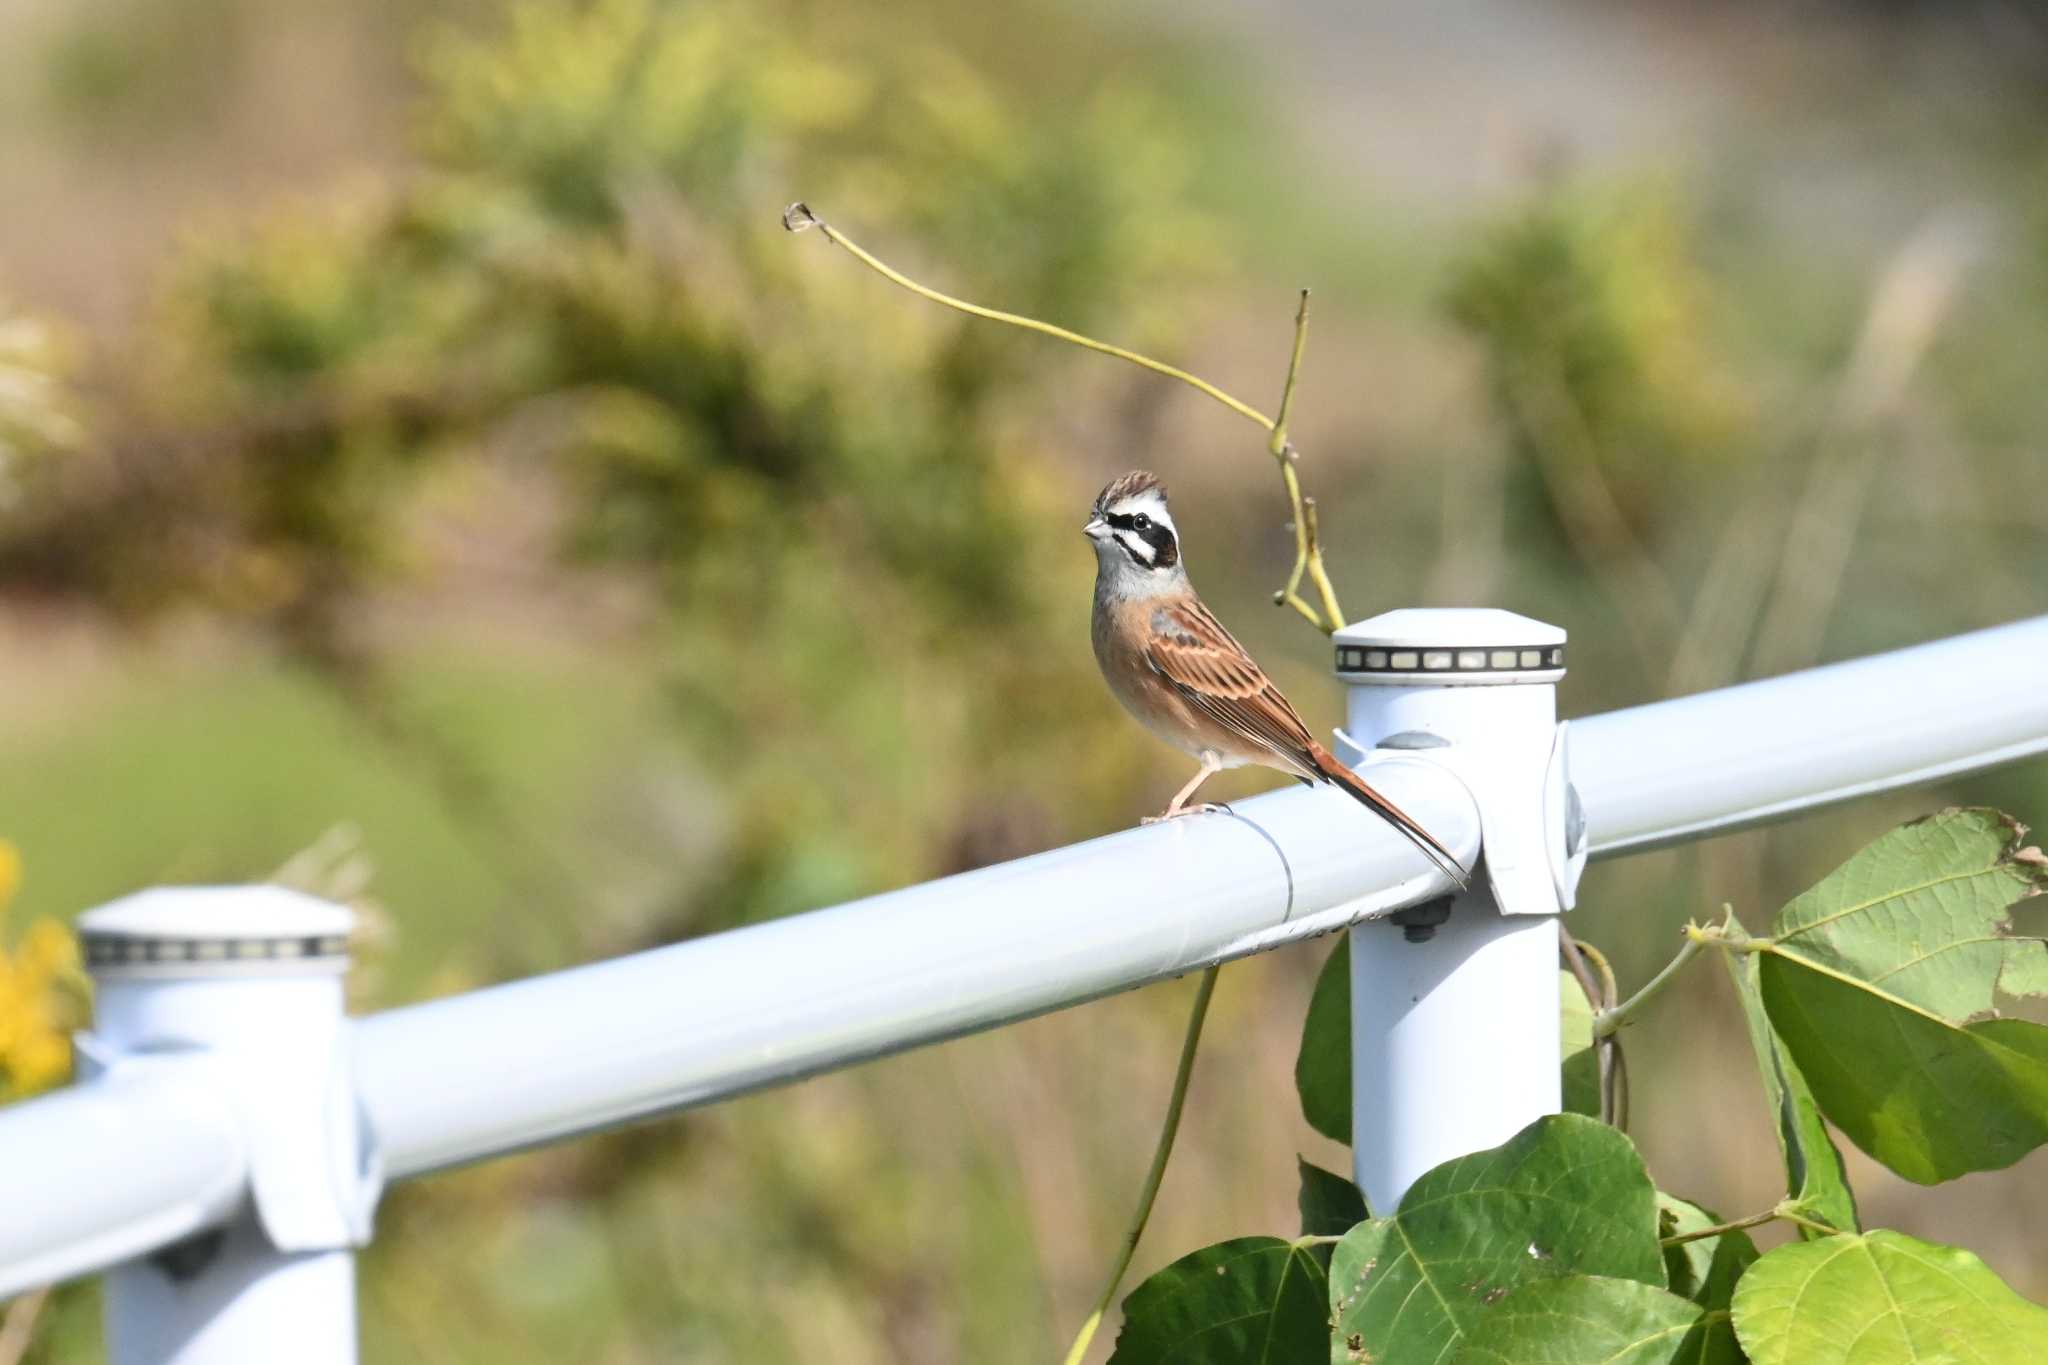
[
  {"x": 183, "y": 931},
  {"x": 1448, "y": 646}
]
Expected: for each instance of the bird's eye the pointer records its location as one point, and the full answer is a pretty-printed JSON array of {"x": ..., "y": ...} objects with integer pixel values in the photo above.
[{"x": 1141, "y": 522}]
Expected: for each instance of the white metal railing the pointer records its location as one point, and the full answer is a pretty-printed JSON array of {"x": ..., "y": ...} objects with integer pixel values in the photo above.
[{"x": 177, "y": 1136}]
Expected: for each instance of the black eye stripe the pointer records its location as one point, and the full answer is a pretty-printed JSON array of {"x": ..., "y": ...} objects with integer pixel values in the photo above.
[{"x": 1165, "y": 553}]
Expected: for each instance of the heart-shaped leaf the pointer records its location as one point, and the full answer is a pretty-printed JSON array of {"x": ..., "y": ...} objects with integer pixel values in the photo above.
[
  {"x": 1929, "y": 1098},
  {"x": 1322, "y": 1069},
  {"x": 1567, "y": 1195},
  {"x": 1880, "y": 981},
  {"x": 1251, "y": 1301},
  {"x": 1883, "y": 1298},
  {"x": 1330, "y": 1205},
  {"x": 1924, "y": 913},
  {"x": 1583, "y": 1318}
]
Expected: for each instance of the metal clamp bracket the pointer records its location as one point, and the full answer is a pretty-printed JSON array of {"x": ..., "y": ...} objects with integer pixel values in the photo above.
[
  {"x": 242, "y": 987},
  {"x": 1475, "y": 692}
]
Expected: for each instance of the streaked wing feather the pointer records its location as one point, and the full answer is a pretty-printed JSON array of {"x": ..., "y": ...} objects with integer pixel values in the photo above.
[{"x": 1212, "y": 672}]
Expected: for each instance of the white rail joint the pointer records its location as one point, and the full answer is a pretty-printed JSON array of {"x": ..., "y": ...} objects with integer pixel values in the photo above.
[
  {"x": 1475, "y": 692},
  {"x": 1434, "y": 1075},
  {"x": 237, "y": 993}
]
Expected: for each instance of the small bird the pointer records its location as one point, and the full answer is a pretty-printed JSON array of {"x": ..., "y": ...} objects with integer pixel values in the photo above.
[{"x": 1174, "y": 666}]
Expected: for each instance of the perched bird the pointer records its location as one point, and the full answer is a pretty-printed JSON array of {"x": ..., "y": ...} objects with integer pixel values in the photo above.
[{"x": 1174, "y": 666}]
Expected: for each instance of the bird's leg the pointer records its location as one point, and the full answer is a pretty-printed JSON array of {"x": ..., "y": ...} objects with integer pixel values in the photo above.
[{"x": 1179, "y": 805}]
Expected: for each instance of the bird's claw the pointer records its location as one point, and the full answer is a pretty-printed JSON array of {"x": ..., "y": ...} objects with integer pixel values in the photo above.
[{"x": 1206, "y": 808}]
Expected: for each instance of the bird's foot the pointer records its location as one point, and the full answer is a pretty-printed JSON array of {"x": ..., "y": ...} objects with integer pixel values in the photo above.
[{"x": 1206, "y": 808}]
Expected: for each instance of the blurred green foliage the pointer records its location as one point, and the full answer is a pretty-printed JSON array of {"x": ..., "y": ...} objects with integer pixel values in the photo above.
[
  {"x": 1595, "y": 316},
  {"x": 626, "y": 568},
  {"x": 39, "y": 415},
  {"x": 859, "y": 577},
  {"x": 827, "y": 489}
]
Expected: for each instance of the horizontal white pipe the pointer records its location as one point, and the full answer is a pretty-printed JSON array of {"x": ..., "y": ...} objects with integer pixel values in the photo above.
[
  {"x": 122, "y": 1165},
  {"x": 1682, "y": 769},
  {"x": 114, "y": 1169},
  {"x": 496, "y": 1070}
]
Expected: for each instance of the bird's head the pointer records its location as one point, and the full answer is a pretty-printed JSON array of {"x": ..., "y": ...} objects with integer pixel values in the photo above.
[{"x": 1132, "y": 529}]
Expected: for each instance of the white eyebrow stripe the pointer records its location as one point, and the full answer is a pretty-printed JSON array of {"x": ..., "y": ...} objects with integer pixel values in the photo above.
[
  {"x": 1151, "y": 504},
  {"x": 1136, "y": 546}
]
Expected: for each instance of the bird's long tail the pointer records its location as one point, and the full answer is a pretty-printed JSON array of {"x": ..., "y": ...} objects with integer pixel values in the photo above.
[{"x": 1356, "y": 788}]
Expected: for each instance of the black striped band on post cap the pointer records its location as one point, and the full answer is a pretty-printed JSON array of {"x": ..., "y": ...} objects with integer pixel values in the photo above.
[
  {"x": 128, "y": 950},
  {"x": 1463, "y": 659}
]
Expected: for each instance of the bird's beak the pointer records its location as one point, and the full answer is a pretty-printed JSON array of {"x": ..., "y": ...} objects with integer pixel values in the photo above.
[{"x": 1096, "y": 528}]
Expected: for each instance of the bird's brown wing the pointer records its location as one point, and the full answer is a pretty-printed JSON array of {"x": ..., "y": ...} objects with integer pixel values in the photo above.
[{"x": 1212, "y": 673}]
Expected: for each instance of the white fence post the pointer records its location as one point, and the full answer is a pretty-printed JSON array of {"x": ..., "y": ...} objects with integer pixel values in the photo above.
[
  {"x": 224, "y": 1134},
  {"x": 237, "y": 991},
  {"x": 1454, "y": 1005}
]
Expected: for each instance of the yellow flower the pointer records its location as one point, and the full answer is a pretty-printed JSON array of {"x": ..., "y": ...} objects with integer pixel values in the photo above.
[{"x": 42, "y": 997}]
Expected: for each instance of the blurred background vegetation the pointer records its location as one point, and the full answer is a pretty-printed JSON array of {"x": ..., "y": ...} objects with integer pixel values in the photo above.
[{"x": 427, "y": 467}]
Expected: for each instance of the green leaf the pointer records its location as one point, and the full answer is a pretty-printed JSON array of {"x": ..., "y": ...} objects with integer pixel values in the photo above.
[
  {"x": 1814, "y": 1177},
  {"x": 1567, "y": 1195},
  {"x": 1583, "y": 1318},
  {"x": 1880, "y": 980},
  {"x": 1251, "y": 1301},
  {"x": 1581, "y": 1061},
  {"x": 1929, "y": 1098},
  {"x": 1322, "y": 1069},
  {"x": 1330, "y": 1205},
  {"x": 1883, "y": 1299},
  {"x": 1704, "y": 1270},
  {"x": 1923, "y": 912}
]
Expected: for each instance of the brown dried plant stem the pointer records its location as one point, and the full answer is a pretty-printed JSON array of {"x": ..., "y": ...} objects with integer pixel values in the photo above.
[
  {"x": 1308, "y": 562},
  {"x": 1603, "y": 996},
  {"x": 18, "y": 1327},
  {"x": 1308, "y": 543},
  {"x": 1308, "y": 549}
]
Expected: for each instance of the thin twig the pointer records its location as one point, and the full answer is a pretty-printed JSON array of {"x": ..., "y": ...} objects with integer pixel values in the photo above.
[
  {"x": 1600, "y": 995},
  {"x": 1603, "y": 1052},
  {"x": 1332, "y": 613},
  {"x": 1277, "y": 446},
  {"x": 1613, "y": 1065},
  {"x": 1307, "y": 544},
  {"x": 1784, "y": 1209},
  {"x": 1174, "y": 1104},
  {"x": 1574, "y": 959},
  {"x": 18, "y": 1328},
  {"x": 1607, "y": 1021},
  {"x": 1810, "y": 1224},
  {"x": 1609, "y": 991},
  {"x": 1618, "y": 1081},
  {"x": 798, "y": 217},
  {"x": 1718, "y": 1229},
  {"x": 1728, "y": 934}
]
